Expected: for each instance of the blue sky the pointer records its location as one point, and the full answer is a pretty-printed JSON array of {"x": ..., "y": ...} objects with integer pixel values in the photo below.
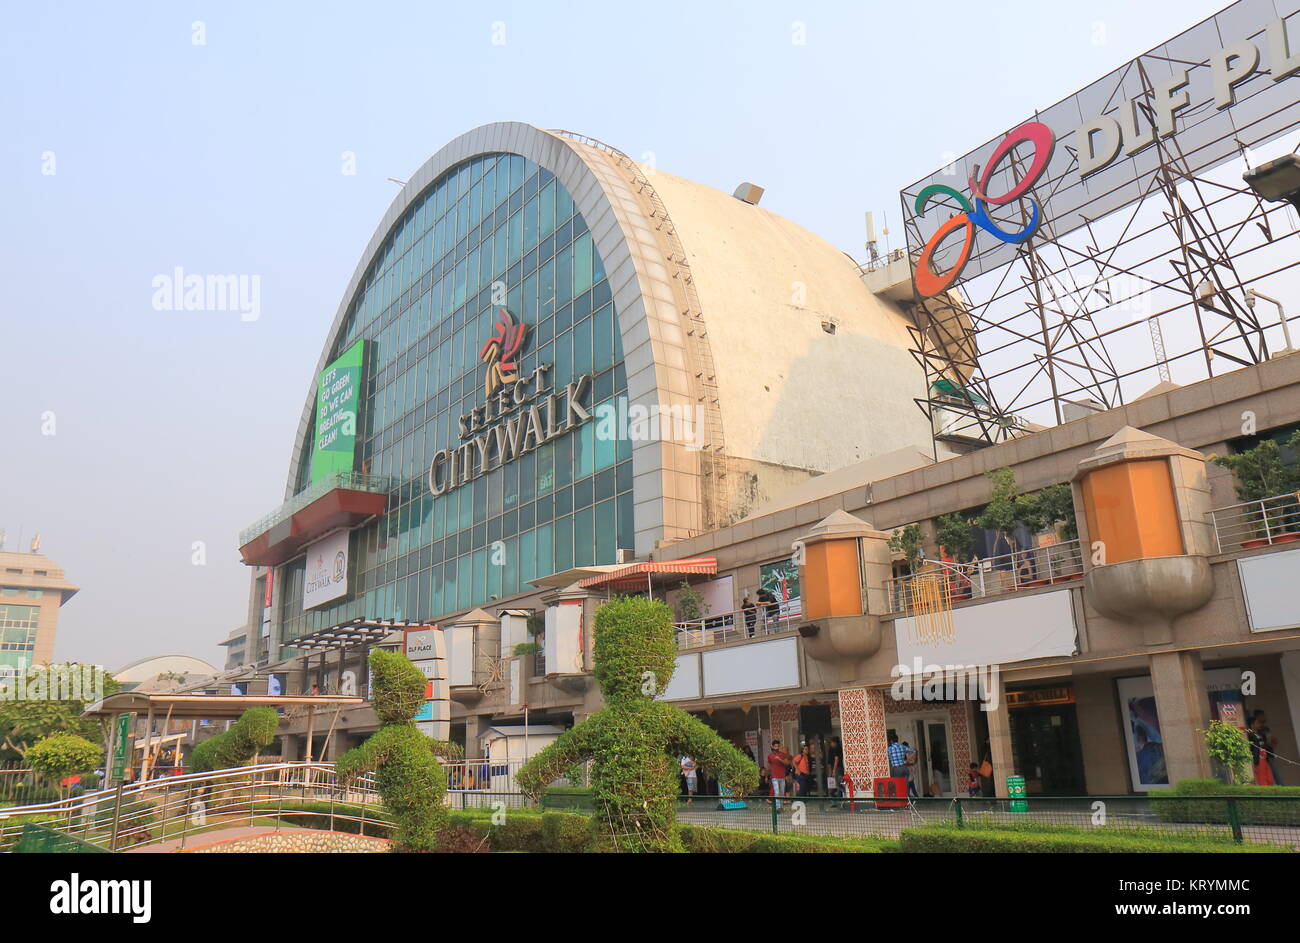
[{"x": 174, "y": 427}]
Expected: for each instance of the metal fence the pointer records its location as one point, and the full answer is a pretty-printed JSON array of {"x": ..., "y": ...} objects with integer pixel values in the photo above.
[
  {"x": 1268, "y": 820},
  {"x": 992, "y": 576},
  {"x": 762, "y": 619},
  {"x": 170, "y": 812},
  {"x": 1261, "y": 523},
  {"x": 21, "y": 785}
]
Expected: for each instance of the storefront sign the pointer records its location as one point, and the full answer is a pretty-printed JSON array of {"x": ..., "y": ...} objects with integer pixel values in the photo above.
[
  {"x": 1039, "y": 697},
  {"x": 519, "y": 414},
  {"x": 1147, "y": 116},
  {"x": 326, "y": 576},
  {"x": 337, "y": 393}
]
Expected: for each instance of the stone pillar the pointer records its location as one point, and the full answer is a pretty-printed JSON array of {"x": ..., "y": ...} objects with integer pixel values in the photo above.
[
  {"x": 475, "y": 725},
  {"x": 1184, "y": 709},
  {"x": 290, "y": 750},
  {"x": 1003, "y": 756},
  {"x": 862, "y": 733}
]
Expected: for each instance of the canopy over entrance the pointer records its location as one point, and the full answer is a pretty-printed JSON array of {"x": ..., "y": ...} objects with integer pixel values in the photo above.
[
  {"x": 207, "y": 706},
  {"x": 638, "y": 576}
]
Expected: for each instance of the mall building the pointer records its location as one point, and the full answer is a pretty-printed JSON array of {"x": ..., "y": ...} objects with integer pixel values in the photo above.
[{"x": 557, "y": 375}]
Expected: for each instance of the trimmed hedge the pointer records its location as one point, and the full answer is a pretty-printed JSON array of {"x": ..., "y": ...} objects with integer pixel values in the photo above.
[
  {"x": 1180, "y": 804},
  {"x": 1062, "y": 839},
  {"x": 568, "y": 797},
  {"x": 702, "y": 840}
]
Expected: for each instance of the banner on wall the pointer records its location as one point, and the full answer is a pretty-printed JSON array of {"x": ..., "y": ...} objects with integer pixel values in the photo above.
[
  {"x": 326, "y": 575},
  {"x": 338, "y": 393}
]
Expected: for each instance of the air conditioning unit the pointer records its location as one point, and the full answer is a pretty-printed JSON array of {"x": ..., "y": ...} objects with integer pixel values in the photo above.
[{"x": 624, "y": 556}]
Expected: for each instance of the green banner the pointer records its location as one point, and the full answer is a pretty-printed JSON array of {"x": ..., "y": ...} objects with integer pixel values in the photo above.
[
  {"x": 337, "y": 394},
  {"x": 118, "y": 768}
]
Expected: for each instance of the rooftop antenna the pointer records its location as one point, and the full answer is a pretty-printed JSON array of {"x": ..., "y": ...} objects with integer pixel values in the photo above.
[{"x": 872, "y": 253}]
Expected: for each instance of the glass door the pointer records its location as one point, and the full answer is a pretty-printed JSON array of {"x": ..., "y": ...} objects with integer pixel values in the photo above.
[{"x": 928, "y": 735}]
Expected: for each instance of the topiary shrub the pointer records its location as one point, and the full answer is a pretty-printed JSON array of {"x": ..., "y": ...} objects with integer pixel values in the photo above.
[
  {"x": 408, "y": 776},
  {"x": 635, "y": 741},
  {"x": 63, "y": 754},
  {"x": 248, "y": 736}
]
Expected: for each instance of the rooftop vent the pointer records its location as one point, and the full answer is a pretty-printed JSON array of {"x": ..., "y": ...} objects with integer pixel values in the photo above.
[{"x": 748, "y": 193}]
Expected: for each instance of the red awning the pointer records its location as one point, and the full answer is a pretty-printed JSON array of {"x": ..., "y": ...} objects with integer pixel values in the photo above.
[{"x": 639, "y": 575}]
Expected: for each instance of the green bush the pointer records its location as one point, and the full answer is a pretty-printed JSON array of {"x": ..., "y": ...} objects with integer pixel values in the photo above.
[
  {"x": 568, "y": 797},
  {"x": 1062, "y": 839},
  {"x": 252, "y": 733},
  {"x": 1180, "y": 804},
  {"x": 63, "y": 754},
  {"x": 708, "y": 841}
]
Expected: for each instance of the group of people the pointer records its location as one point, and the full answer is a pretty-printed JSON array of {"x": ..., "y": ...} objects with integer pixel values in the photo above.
[
  {"x": 766, "y": 603},
  {"x": 797, "y": 776}
]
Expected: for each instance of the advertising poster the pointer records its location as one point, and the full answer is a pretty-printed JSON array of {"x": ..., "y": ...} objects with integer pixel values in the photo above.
[
  {"x": 1146, "y": 748},
  {"x": 337, "y": 394},
  {"x": 326, "y": 576}
]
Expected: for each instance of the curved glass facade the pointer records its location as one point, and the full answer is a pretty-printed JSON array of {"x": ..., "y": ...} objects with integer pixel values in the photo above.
[{"x": 491, "y": 228}]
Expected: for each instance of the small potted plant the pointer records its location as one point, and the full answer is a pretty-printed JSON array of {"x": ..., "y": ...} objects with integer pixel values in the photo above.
[{"x": 1260, "y": 474}]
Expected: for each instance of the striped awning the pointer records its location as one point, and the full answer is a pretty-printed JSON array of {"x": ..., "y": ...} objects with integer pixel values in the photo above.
[{"x": 639, "y": 575}]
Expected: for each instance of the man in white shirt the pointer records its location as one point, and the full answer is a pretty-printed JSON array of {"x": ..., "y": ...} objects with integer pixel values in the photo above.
[{"x": 689, "y": 768}]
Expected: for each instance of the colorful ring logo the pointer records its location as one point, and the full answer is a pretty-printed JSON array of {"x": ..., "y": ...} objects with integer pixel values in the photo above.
[{"x": 928, "y": 282}]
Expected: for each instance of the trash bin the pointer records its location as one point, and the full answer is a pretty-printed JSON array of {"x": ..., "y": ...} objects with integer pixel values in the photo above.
[{"x": 1016, "y": 793}]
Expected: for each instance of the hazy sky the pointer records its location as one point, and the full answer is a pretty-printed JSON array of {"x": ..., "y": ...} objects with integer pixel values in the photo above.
[{"x": 228, "y": 157}]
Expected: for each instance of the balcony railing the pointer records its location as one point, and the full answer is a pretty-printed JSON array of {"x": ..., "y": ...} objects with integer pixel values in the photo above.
[
  {"x": 763, "y": 619},
  {"x": 993, "y": 576},
  {"x": 348, "y": 481},
  {"x": 1253, "y": 524}
]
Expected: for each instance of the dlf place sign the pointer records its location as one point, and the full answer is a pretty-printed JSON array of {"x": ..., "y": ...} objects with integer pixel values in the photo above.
[{"x": 520, "y": 412}]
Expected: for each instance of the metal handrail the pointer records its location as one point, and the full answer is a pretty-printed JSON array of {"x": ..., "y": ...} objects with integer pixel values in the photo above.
[
  {"x": 736, "y": 626},
  {"x": 1263, "y": 522},
  {"x": 993, "y": 576},
  {"x": 142, "y": 813},
  {"x": 352, "y": 481}
]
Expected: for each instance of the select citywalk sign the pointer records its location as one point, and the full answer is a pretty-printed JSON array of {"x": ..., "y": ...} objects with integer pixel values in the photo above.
[
  {"x": 520, "y": 413},
  {"x": 338, "y": 392}
]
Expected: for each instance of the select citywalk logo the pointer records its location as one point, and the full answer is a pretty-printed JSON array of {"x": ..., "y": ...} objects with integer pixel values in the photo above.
[
  {"x": 519, "y": 414},
  {"x": 78, "y": 896},
  {"x": 929, "y": 283},
  {"x": 499, "y": 353}
]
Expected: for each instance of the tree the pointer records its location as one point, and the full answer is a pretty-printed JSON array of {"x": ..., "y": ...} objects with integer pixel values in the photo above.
[
  {"x": 61, "y": 755},
  {"x": 34, "y": 707},
  {"x": 1262, "y": 473},
  {"x": 952, "y": 533},
  {"x": 1228, "y": 746},
  {"x": 690, "y": 603},
  {"x": 1048, "y": 508},
  {"x": 252, "y": 733},
  {"x": 908, "y": 542},
  {"x": 408, "y": 775},
  {"x": 635, "y": 742},
  {"x": 1004, "y": 511}
]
